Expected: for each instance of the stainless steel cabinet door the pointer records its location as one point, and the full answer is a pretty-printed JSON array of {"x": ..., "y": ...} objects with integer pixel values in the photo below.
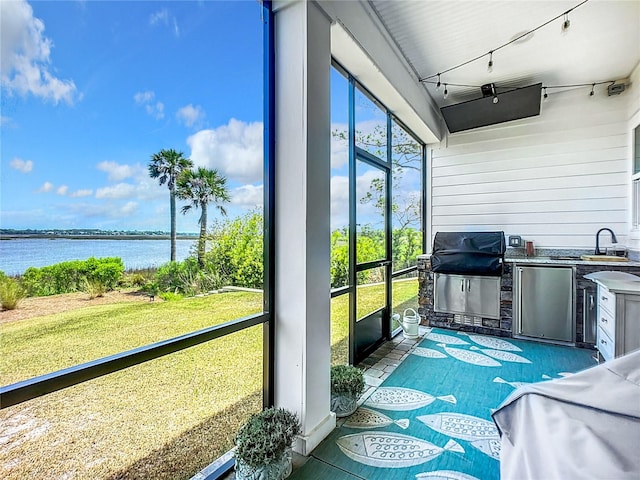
[
  {"x": 545, "y": 302},
  {"x": 449, "y": 293},
  {"x": 467, "y": 295},
  {"x": 483, "y": 296}
]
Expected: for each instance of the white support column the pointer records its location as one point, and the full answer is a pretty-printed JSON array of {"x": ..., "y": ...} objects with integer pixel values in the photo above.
[{"x": 303, "y": 304}]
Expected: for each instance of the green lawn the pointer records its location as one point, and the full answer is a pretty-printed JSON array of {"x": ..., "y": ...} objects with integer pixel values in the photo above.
[{"x": 164, "y": 419}]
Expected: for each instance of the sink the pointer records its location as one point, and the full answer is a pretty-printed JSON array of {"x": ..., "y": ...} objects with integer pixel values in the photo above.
[{"x": 603, "y": 258}]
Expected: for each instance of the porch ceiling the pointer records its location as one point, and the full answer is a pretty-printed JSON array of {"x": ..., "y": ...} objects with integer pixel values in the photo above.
[{"x": 602, "y": 43}]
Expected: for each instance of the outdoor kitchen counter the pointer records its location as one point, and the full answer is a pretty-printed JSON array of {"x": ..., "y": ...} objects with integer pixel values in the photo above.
[
  {"x": 503, "y": 326},
  {"x": 552, "y": 261}
]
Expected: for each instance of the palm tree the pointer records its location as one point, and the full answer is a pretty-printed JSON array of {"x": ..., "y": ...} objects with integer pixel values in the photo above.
[
  {"x": 202, "y": 187},
  {"x": 166, "y": 166}
]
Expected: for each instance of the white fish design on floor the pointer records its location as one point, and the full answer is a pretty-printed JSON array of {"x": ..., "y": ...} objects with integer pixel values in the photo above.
[
  {"x": 427, "y": 352},
  {"x": 445, "y": 475},
  {"x": 491, "y": 342},
  {"x": 511, "y": 384},
  {"x": 504, "y": 356},
  {"x": 366, "y": 418},
  {"x": 460, "y": 426},
  {"x": 448, "y": 339},
  {"x": 391, "y": 450},
  {"x": 488, "y": 446},
  {"x": 470, "y": 357},
  {"x": 399, "y": 398}
]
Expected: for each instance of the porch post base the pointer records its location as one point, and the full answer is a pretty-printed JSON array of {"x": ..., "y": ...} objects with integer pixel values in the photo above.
[{"x": 304, "y": 444}]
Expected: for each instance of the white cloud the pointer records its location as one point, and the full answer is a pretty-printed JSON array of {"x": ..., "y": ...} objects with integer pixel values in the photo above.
[
  {"x": 339, "y": 201},
  {"x": 367, "y": 213},
  {"x": 25, "y": 56},
  {"x": 117, "y": 172},
  {"x": 62, "y": 190},
  {"x": 155, "y": 110},
  {"x": 147, "y": 99},
  {"x": 163, "y": 17},
  {"x": 235, "y": 150},
  {"x": 249, "y": 196},
  {"x": 149, "y": 189},
  {"x": 100, "y": 211},
  {"x": 46, "y": 187},
  {"x": 81, "y": 193},
  {"x": 144, "y": 97},
  {"x": 120, "y": 190},
  {"x": 339, "y": 148},
  {"x": 128, "y": 208},
  {"x": 24, "y": 166},
  {"x": 190, "y": 115}
]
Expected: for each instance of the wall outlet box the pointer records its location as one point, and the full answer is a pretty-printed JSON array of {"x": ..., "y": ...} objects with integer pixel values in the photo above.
[
  {"x": 515, "y": 241},
  {"x": 615, "y": 89}
]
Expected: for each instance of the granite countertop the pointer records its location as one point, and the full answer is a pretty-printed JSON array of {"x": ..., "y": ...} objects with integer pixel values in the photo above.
[
  {"x": 617, "y": 282},
  {"x": 546, "y": 260},
  {"x": 621, "y": 286},
  {"x": 553, "y": 261}
]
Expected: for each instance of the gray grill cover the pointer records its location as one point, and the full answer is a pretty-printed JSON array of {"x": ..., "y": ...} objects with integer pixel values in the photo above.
[{"x": 471, "y": 253}]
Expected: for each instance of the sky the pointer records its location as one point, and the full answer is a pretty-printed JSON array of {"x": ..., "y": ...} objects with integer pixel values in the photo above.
[{"x": 90, "y": 90}]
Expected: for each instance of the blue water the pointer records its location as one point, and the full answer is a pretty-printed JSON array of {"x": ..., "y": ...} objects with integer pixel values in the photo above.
[{"x": 16, "y": 255}]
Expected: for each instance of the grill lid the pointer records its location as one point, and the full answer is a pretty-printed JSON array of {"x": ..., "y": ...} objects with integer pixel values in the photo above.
[{"x": 475, "y": 253}]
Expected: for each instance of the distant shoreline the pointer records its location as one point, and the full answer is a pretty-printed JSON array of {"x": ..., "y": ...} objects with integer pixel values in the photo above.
[{"x": 93, "y": 237}]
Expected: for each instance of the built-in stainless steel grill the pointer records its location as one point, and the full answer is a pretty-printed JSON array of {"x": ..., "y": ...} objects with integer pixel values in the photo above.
[
  {"x": 467, "y": 270},
  {"x": 468, "y": 253}
]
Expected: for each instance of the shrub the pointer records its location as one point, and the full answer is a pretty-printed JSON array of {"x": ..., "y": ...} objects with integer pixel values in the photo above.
[
  {"x": 151, "y": 288},
  {"x": 236, "y": 251},
  {"x": 346, "y": 380},
  {"x": 266, "y": 436},
  {"x": 71, "y": 276},
  {"x": 170, "y": 296},
  {"x": 95, "y": 288},
  {"x": 186, "y": 277},
  {"x": 137, "y": 280},
  {"x": 11, "y": 293},
  {"x": 108, "y": 272}
]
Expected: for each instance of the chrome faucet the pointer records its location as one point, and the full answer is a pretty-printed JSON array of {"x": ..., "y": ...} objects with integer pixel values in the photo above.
[{"x": 613, "y": 240}]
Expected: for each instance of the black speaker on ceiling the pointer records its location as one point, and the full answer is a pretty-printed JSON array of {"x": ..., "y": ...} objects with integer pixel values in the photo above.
[{"x": 492, "y": 109}]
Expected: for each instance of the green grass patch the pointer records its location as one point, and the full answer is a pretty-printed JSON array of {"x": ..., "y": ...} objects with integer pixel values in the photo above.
[
  {"x": 163, "y": 419},
  {"x": 45, "y": 344}
]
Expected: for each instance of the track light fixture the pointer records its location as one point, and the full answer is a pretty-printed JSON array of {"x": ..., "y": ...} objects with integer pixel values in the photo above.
[
  {"x": 446, "y": 92},
  {"x": 566, "y": 24},
  {"x": 495, "y": 94},
  {"x": 490, "y": 64},
  {"x": 438, "y": 84},
  {"x": 592, "y": 87},
  {"x": 545, "y": 96}
]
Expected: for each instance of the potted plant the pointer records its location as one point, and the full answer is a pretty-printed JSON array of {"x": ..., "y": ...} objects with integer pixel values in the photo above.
[
  {"x": 263, "y": 445},
  {"x": 347, "y": 384}
]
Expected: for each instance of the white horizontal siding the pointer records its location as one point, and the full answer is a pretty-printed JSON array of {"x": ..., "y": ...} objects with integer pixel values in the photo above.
[{"x": 554, "y": 179}]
